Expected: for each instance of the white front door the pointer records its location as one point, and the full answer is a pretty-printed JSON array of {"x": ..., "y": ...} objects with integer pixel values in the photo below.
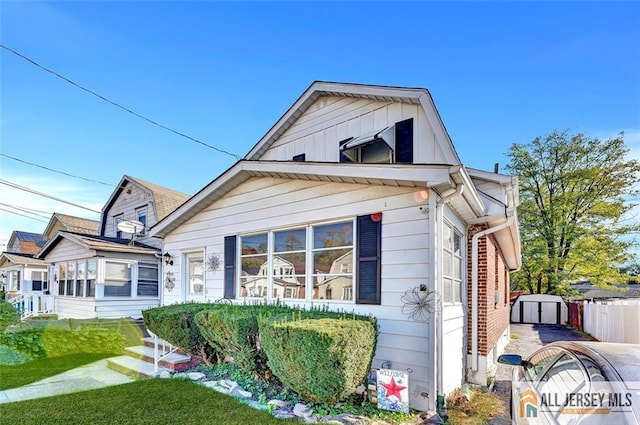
[{"x": 194, "y": 276}]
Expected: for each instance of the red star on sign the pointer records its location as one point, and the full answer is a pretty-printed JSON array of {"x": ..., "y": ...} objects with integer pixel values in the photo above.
[{"x": 393, "y": 388}]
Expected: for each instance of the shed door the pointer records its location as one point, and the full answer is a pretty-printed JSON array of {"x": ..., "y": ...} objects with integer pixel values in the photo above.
[{"x": 547, "y": 312}]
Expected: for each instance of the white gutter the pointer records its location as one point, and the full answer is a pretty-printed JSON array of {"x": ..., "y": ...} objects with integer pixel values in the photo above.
[
  {"x": 474, "y": 284},
  {"x": 438, "y": 279}
]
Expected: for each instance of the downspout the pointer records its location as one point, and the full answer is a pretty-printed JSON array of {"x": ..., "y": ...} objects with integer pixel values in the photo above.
[
  {"x": 438, "y": 311},
  {"x": 474, "y": 284}
]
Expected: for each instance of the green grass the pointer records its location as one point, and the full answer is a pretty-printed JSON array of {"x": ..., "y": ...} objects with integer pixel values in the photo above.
[
  {"x": 22, "y": 374},
  {"x": 151, "y": 401}
]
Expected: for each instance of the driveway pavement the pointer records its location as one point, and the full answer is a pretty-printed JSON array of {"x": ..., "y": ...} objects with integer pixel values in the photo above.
[{"x": 530, "y": 338}]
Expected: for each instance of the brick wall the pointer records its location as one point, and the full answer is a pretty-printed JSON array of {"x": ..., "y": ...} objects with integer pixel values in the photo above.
[
  {"x": 493, "y": 317},
  {"x": 28, "y": 248}
]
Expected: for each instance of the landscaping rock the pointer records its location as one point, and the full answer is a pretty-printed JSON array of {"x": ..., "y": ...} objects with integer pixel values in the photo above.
[
  {"x": 180, "y": 375},
  {"x": 215, "y": 385},
  {"x": 346, "y": 419},
  {"x": 283, "y": 414},
  {"x": 302, "y": 411},
  {"x": 240, "y": 393},
  {"x": 164, "y": 374},
  {"x": 256, "y": 404},
  {"x": 309, "y": 419},
  {"x": 196, "y": 376},
  {"x": 278, "y": 403}
]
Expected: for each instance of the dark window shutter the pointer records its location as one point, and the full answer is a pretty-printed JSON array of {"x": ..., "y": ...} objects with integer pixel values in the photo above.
[
  {"x": 230, "y": 267},
  {"x": 404, "y": 141},
  {"x": 343, "y": 157},
  {"x": 368, "y": 260},
  {"x": 299, "y": 158}
]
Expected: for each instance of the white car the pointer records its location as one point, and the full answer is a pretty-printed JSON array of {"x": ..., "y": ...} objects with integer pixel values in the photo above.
[{"x": 576, "y": 383}]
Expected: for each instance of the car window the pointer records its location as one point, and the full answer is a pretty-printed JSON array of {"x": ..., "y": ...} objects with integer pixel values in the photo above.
[
  {"x": 539, "y": 361},
  {"x": 566, "y": 376},
  {"x": 594, "y": 371}
]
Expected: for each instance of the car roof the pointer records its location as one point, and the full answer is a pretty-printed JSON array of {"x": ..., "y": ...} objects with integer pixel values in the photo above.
[{"x": 624, "y": 358}]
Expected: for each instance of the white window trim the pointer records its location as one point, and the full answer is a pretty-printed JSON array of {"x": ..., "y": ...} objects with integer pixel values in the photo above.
[
  {"x": 309, "y": 275},
  {"x": 462, "y": 256}
]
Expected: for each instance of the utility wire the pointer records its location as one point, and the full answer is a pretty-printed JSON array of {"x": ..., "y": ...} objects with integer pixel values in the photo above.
[
  {"x": 117, "y": 105},
  {"x": 32, "y": 218},
  {"x": 35, "y": 192},
  {"x": 55, "y": 171},
  {"x": 24, "y": 210}
]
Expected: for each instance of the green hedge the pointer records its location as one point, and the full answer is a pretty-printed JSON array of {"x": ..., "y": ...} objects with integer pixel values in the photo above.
[
  {"x": 176, "y": 325},
  {"x": 321, "y": 359},
  {"x": 39, "y": 342},
  {"x": 8, "y": 315},
  {"x": 232, "y": 330}
]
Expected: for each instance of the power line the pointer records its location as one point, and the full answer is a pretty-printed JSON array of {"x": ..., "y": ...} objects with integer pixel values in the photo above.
[
  {"x": 117, "y": 105},
  {"x": 13, "y": 212},
  {"x": 25, "y": 210},
  {"x": 55, "y": 171},
  {"x": 35, "y": 192}
]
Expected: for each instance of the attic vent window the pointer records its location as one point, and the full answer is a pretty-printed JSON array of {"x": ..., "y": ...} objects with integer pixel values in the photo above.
[{"x": 373, "y": 147}]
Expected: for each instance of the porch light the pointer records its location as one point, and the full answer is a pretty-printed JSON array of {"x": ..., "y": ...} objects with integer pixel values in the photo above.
[{"x": 168, "y": 259}]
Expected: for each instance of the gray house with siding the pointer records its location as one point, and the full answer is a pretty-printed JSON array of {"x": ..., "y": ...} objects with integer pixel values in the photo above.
[{"x": 356, "y": 199}]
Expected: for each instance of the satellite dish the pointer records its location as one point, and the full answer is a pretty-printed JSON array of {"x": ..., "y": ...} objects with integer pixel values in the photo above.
[{"x": 131, "y": 226}]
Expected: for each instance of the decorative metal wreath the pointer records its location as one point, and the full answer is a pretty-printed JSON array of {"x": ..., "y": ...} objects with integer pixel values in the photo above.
[
  {"x": 170, "y": 281},
  {"x": 420, "y": 303},
  {"x": 213, "y": 262}
]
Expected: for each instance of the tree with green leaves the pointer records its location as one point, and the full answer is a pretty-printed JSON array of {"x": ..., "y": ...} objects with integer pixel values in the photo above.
[{"x": 574, "y": 196}]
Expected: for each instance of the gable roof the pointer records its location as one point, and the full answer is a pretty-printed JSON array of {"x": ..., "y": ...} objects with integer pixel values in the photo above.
[
  {"x": 17, "y": 258},
  {"x": 164, "y": 200},
  {"x": 97, "y": 243},
  {"x": 73, "y": 224},
  {"x": 418, "y": 96},
  {"x": 25, "y": 237}
]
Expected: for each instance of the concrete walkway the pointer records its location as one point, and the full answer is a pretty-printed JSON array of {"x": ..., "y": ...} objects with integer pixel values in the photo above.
[{"x": 89, "y": 377}]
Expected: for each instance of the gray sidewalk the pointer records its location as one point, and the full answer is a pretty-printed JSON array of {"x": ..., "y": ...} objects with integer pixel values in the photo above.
[{"x": 89, "y": 377}]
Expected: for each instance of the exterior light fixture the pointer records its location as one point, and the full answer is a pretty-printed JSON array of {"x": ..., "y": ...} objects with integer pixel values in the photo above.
[{"x": 168, "y": 259}]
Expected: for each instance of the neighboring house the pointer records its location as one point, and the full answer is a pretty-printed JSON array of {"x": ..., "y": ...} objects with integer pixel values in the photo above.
[
  {"x": 69, "y": 223},
  {"x": 356, "y": 198},
  {"x": 25, "y": 242},
  {"x": 19, "y": 271},
  {"x": 23, "y": 274},
  {"x": 111, "y": 274}
]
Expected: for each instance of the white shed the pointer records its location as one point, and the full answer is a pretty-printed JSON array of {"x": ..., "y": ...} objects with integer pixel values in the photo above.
[{"x": 539, "y": 308}]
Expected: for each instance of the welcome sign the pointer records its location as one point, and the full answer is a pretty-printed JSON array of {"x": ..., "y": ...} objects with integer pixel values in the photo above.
[{"x": 393, "y": 390}]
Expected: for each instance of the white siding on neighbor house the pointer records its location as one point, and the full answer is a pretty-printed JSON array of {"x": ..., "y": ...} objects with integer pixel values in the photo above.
[
  {"x": 65, "y": 250},
  {"x": 89, "y": 308},
  {"x": 331, "y": 119},
  {"x": 269, "y": 203},
  {"x": 127, "y": 204}
]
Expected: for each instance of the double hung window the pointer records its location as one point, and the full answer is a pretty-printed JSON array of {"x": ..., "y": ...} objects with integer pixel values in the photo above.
[{"x": 451, "y": 264}]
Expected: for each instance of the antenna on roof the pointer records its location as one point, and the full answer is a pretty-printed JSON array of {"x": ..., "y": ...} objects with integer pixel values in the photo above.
[
  {"x": 131, "y": 226},
  {"x": 496, "y": 167}
]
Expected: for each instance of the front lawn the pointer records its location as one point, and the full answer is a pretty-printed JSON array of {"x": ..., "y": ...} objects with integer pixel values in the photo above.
[
  {"x": 14, "y": 376},
  {"x": 150, "y": 401}
]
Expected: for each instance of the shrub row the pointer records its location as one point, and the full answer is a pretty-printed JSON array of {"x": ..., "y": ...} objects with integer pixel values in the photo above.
[
  {"x": 8, "y": 315},
  {"x": 40, "y": 342},
  {"x": 320, "y": 355}
]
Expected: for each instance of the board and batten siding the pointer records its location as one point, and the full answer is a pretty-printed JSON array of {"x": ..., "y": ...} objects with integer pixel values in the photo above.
[
  {"x": 127, "y": 204},
  {"x": 266, "y": 203},
  {"x": 318, "y": 131}
]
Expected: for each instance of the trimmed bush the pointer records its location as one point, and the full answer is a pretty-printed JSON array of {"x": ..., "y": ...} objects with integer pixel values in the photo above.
[
  {"x": 8, "y": 315},
  {"x": 176, "y": 325},
  {"x": 39, "y": 342},
  {"x": 321, "y": 359},
  {"x": 232, "y": 330}
]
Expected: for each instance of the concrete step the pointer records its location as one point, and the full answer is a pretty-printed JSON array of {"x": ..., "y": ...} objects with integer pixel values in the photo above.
[
  {"x": 133, "y": 367},
  {"x": 174, "y": 361}
]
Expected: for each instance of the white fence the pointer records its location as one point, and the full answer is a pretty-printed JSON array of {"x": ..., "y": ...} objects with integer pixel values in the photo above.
[{"x": 613, "y": 320}]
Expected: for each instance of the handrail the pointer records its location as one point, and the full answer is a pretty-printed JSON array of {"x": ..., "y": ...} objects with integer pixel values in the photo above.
[
  {"x": 32, "y": 304},
  {"x": 161, "y": 350}
]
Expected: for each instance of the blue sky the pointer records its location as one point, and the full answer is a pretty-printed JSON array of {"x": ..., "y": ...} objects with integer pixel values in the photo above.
[{"x": 224, "y": 72}]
